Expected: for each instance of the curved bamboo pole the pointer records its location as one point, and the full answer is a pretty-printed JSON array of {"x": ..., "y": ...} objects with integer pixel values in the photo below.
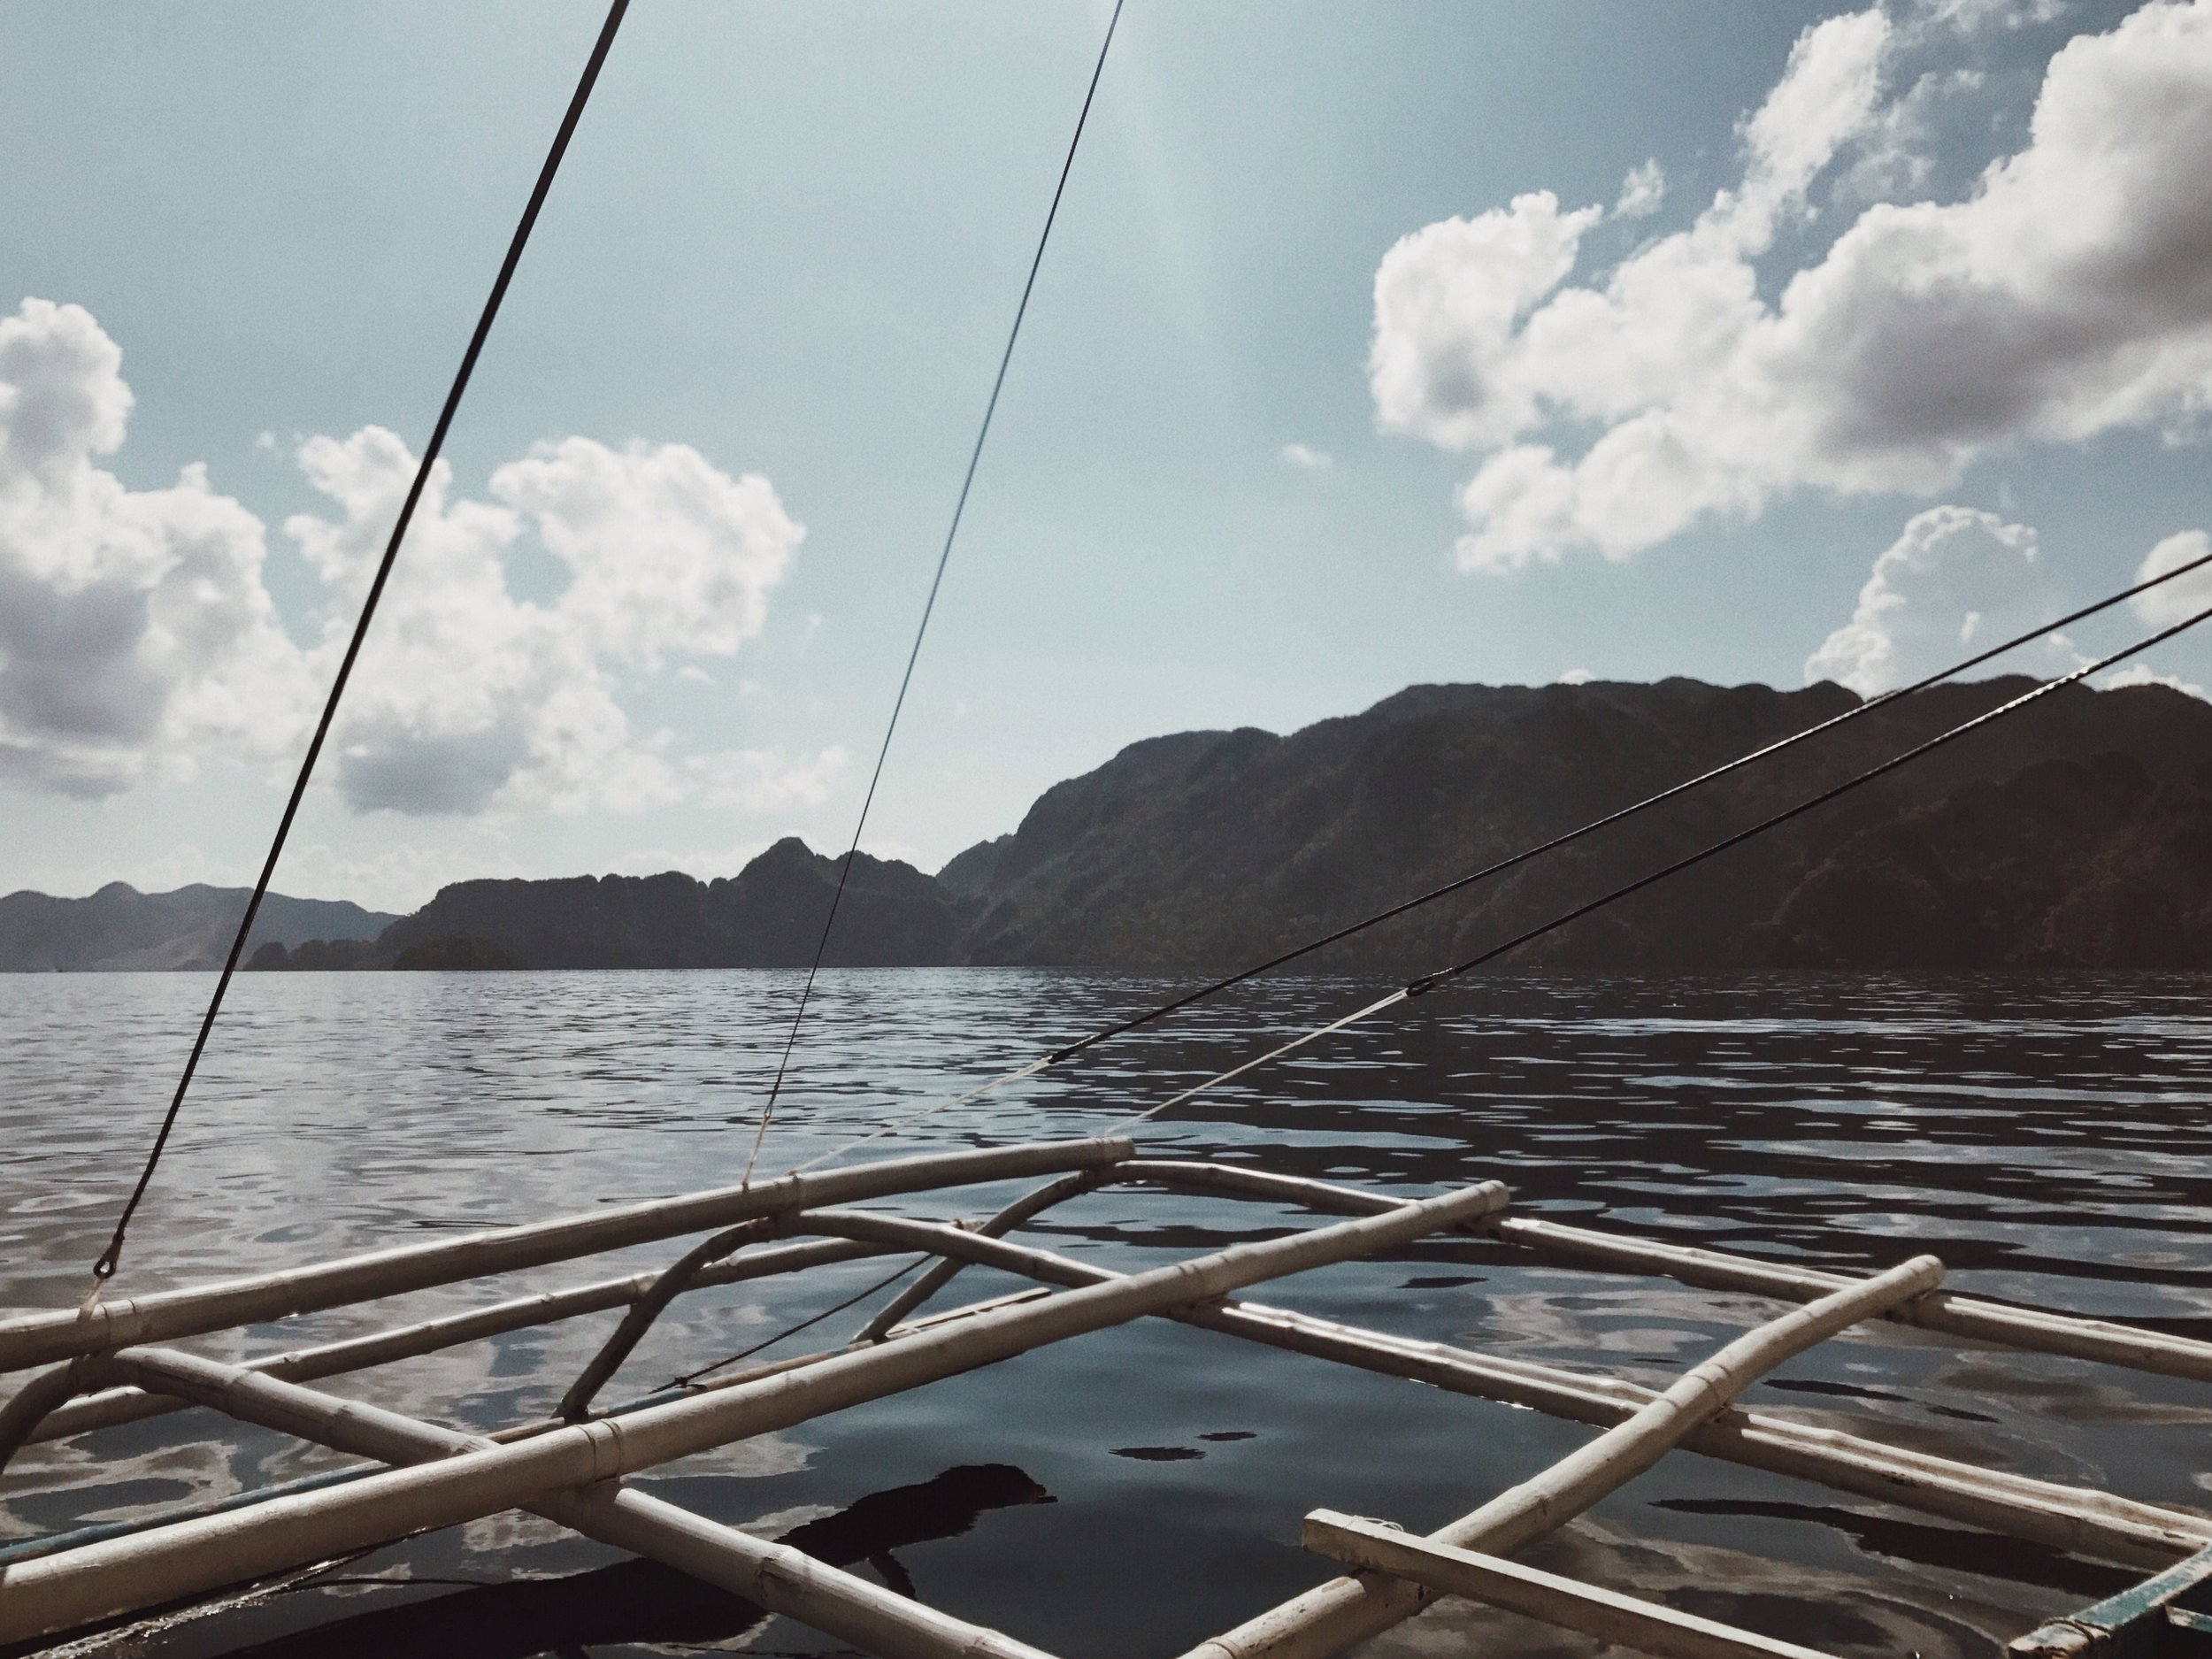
[
  {"x": 39, "y": 1338},
  {"x": 56, "y": 1593},
  {"x": 998, "y": 1226},
  {"x": 429, "y": 1336},
  {"x": 2036, "y": 1329},
  {"x": 2079, "y": 1520}
]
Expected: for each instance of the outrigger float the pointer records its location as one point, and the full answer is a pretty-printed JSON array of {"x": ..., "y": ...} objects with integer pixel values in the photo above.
[{"x": 111, "y": 1363}]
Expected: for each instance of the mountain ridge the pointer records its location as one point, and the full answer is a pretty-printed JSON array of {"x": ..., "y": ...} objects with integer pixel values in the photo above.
[
  {"x": 2077, "y": 833},
  {"x": 118, "y": 928}
]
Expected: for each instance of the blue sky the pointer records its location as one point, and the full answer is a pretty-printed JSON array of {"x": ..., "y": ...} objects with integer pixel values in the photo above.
[{"x": 758, "y": 322}]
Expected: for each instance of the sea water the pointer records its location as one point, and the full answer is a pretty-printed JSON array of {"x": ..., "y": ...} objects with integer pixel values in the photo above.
[{"x": 1130, "y": 1492}]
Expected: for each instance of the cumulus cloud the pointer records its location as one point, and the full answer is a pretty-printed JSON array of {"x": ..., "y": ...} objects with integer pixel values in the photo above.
[
  {"x": 137, "y": 634},
  {"x": 2183, "y": 597},
  {"x": 1306, "y": 458},
  {"x": 134, "y": 628},
  {"x": 1970, "y": 16},
  {"x": 1893, "y": 156},
  {"x": 2068, "y": 294},
  {"x": 762, "y": 779},
  {"x": 1957, "y": 580},
  {"x": 1642, "y": 191},
  {"x": 2144, "y": 674},
  {"x": 466, "y": 694}
]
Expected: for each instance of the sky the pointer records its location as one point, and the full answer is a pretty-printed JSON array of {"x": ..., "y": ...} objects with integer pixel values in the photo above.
[{"x": 1377, "y": 343}]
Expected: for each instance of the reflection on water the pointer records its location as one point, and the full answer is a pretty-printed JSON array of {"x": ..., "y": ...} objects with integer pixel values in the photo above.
[{"x": 2047, "y": 1139}]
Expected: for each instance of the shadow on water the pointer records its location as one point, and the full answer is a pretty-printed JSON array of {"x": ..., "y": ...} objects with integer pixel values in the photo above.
[{"x": 635, "y": 1602}]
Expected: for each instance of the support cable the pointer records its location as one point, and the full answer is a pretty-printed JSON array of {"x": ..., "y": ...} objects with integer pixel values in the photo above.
[
  {"x": 944, "y": 557},
  {"x": 104, "y": 1269},
  {"x": 1424, "y": 983},
  {"x": 1570, "y": 836},
  {"x": 1510, "y": 862},
  {"x": 692, "y": 1377}
]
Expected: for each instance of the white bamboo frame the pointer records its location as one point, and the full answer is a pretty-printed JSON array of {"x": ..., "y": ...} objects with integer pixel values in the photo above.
[
  {"x": 56, "y": 1593},
  {"x": 565, "y": 1469},
  {"x": 39, "y": 1338}
]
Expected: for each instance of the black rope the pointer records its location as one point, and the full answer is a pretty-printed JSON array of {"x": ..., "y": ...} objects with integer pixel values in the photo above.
[
  {"x": 689, "y": 1378},
  {"x": 1428, "y": 982},
  {"x": 944, "y": 557},
  {"x": 109, "y": 1258},
  {"x": 1557, "y": 841}
]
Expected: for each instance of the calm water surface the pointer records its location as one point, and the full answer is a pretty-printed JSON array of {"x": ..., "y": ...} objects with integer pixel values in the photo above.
[{"x": 1129, "y": 1493}]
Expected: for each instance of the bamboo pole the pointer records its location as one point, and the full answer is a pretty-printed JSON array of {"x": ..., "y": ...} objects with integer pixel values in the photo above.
[
  {"x": 1335, "y": 1616},
  {"x": 782, "y": 1580},
  {"x": 2036, "y": 1329},
  {"x": 2074, "y": 1518},
  {"x": 100, "y": 1580},
  {"x": 670, "y": 1283},
  {"x": 1607, "y": 1615},
  {"x": 998, "y": 1226},
  {"x": 774, "y": 1576},
  {"x": 38, "y": 1338},
  {"x": 38, "y": 1398},
  {"x": 1549, "y": 1500},
  {"x": 430, "y": 1336},
  {"x": 2083, "y": 1521},
  {"x": 2067, "y": 1517}
]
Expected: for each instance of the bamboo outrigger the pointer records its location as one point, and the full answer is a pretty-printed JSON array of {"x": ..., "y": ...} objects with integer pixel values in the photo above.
[{"x": 103, "y": 1366}]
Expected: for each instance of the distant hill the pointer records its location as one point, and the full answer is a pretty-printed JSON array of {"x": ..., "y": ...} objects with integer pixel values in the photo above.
[
  {"x": 2076, "y": 834},
  {"x": 118, "y": 928},
  {"x": 768, "y": 915}
]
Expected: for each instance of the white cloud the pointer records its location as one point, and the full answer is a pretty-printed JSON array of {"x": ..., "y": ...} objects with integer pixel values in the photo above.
[
  {"x": 1577, "y": 677},
  {"x": 466, "y": 694},
  {"x": 134, "y": 629},
  {"x": 1447, "y": 299},
  {"x": 1306, "y": 458},
  {"x": 1957, "y": 580},
  {"x": 2066, "y": 295},
  {"x": 668, "y": 553},
  {"x": 2183, "y": 597},
  {"x": 1642, "y": 190},
  {"x": 766, "y": 779},
  {"x": 137, "y": 634},
  {"x": 1970, "y": 16},
  {"x": 1894, "y": 155},
  {"x": 2144, "y": 674}
]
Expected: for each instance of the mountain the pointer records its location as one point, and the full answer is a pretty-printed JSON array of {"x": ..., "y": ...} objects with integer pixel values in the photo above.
[
  {"x": 119, "y": 928},
  {"x": 768, "y": 915},
  {"x": 2079, "y": 832}
]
